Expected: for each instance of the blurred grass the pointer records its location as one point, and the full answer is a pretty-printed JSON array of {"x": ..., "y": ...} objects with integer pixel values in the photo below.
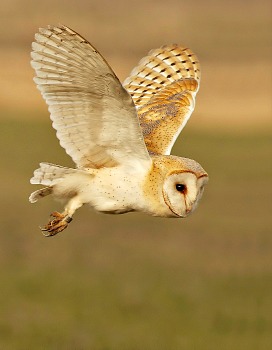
[{"x": 132, "y": 281}]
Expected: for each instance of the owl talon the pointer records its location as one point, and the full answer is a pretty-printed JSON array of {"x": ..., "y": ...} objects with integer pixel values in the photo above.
[{"x": 58, "y": 224}]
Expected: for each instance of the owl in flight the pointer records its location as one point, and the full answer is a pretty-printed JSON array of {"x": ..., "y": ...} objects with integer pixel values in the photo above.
[{"x": 119, "y": 136}]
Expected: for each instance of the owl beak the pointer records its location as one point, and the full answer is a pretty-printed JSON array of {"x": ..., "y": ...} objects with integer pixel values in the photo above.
[{"x": 188, "y": 209}]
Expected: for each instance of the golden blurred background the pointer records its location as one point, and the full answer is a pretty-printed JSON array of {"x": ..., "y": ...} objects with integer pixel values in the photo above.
[
  {"x": 232, "y": 40},
  {"x": 133, "y": 281}
]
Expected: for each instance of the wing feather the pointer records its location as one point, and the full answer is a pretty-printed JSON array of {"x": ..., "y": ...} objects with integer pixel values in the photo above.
[
  {"x": 94, "y": 116},
  {"x": 163, "y": 86}
]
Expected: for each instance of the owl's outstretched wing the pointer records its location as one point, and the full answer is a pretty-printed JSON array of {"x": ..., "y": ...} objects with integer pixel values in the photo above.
[
  {"x": 163, "y": 87},
  {"x": 95, "y": 117}
]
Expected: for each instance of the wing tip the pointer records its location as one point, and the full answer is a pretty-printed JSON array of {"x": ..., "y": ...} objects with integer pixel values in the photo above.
[{"x": 51, "y": 29}]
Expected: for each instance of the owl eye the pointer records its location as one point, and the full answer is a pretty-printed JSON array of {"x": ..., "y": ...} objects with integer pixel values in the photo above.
[{"x": 181, "y": 187}]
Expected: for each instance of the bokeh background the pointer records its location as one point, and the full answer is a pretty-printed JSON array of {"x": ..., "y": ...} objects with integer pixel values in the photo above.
[{"x": 133, "y": 281}]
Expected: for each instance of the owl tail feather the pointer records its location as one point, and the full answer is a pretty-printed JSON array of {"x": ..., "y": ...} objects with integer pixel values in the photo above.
[
  {"x": 35, "y": 196},
  {"x": 48, "y": 175}
]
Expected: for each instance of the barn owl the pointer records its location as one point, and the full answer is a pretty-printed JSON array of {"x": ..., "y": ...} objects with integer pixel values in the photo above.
[{"x": 119, "y": 136}]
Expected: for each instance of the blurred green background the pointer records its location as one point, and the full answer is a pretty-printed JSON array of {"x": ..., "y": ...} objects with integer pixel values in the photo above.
[{"x": 133, "y": 281}]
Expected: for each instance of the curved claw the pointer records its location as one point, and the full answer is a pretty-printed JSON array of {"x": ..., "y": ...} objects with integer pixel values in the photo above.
[{"x": 58, "y": 224}]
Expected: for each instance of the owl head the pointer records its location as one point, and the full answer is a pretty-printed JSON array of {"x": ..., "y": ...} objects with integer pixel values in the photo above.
[{"x": 180, "y": 184}]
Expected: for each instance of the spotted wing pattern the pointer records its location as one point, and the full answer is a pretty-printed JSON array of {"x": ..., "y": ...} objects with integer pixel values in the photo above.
[{"x": 163, "y": 87}]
